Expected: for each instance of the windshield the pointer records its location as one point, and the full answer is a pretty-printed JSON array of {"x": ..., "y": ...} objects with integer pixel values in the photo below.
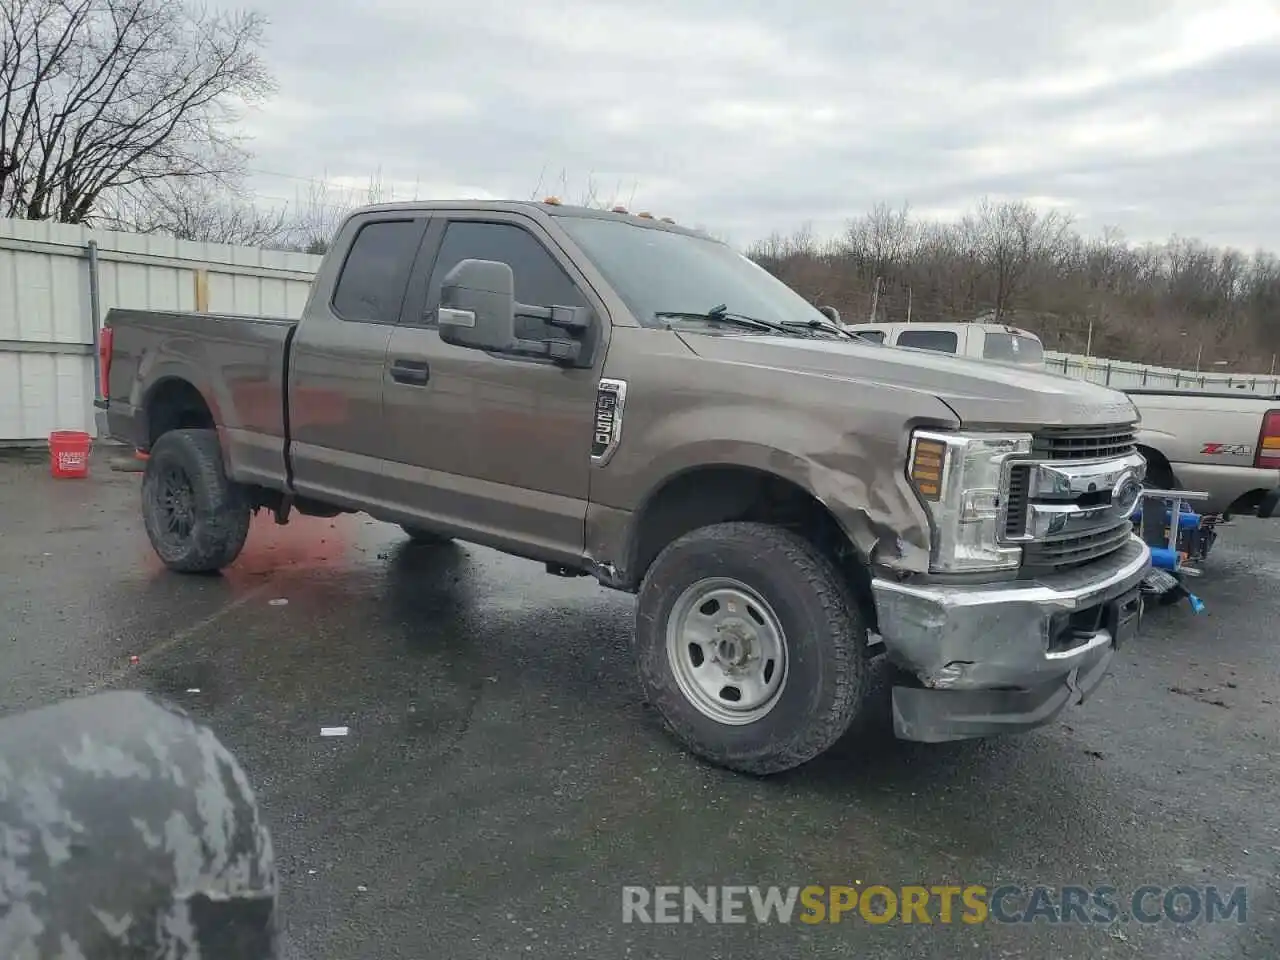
[
  {"x": 1025, "y": 351},
  {"x": 657, "y": 270}
]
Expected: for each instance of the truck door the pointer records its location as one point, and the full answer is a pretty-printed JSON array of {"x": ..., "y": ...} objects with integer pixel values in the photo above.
[
  {"x": 509, "y": 457},
  {"x": 337, "y": 358}
]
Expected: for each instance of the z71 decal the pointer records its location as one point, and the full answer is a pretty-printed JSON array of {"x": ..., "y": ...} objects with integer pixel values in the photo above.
[{"x": 1226, "y": 450}]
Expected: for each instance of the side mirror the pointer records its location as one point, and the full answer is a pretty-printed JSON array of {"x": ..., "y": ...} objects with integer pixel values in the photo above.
[
  {"x": 478, "y": 305},
  {"x": 831, "y": 313},
  {"x": 478, "y": 310}
]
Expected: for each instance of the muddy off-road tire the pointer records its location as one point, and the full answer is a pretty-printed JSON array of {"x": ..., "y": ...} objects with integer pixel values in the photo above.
[
  {"x": 196, "y": 518},
  {"x": 425, "y": 538},
  {"x": 760, "y": 610}
]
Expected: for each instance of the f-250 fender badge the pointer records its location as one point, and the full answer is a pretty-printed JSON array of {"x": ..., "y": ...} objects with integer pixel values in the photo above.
[{"x": 611, "y": 397}]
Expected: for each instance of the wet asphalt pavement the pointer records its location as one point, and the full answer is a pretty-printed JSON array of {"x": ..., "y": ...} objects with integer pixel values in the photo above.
[{"x": 501, "y": 780}]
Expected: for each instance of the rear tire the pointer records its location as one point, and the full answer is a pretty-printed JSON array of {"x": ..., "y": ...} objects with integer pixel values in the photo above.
[
  {"x": 715, "y": 609},
  {"x": 196, "y": 519},
  {"x": 425, "y": 538}
]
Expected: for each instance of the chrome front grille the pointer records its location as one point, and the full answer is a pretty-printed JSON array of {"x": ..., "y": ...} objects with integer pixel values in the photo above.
[
  {"x": 1083, "y": 443},
  {"x": 1073, "y": 551},
  {"x": 1060, "y": 504}
]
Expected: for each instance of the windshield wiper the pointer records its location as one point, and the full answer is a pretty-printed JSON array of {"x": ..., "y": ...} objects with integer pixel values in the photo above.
[
  {"x": 824, "y": 325},
  {"x": 720, "y": 314}
]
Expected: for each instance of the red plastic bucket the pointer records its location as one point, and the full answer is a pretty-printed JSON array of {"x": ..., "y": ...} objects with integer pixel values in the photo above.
[{"x": 69, "y": 453}]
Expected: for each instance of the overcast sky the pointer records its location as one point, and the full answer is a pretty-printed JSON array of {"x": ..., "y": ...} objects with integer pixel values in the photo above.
[{"x": 746, "y": 116}]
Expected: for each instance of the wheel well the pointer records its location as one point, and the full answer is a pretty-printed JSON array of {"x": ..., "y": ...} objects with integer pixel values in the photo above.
[
  {"x": 1159, "y": 470},
  {"x": 708, "y": 495},
  {"x": 175, "y": 405}
]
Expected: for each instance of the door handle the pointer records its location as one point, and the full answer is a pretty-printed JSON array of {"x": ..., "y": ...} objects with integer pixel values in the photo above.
[{"x": 412, "y": 372}]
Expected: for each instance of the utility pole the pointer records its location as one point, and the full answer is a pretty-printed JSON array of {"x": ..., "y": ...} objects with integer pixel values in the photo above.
[
  {"x": 875, "y": 301},
  {"x": 1199, "y": 350},
  {"x": 909, "y": 316}
]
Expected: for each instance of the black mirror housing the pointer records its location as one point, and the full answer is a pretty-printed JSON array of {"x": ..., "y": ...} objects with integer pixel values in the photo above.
[
  {"x": 478, "y": 306},
  {"x": 478, "y": 310}
]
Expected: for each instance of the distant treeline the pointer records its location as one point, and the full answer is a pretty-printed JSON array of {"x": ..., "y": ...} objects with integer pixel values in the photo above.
[{"x": 1155, "y": 303}]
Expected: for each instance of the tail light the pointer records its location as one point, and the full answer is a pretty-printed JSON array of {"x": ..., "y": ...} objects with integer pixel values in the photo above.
[
  {"x": 1268, "y": 455},
  {"x": 104, "y": 362}
]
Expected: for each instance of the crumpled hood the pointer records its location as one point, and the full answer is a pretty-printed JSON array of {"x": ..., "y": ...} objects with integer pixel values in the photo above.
[{"x": 981, "y": 393}]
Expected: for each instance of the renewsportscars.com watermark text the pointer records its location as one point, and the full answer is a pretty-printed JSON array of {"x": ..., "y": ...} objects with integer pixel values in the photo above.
[{"x": 974, "y": 903}]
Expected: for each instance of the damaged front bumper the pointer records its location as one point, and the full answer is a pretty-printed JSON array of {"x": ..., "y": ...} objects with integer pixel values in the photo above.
[{"x": 997, "y": 658}]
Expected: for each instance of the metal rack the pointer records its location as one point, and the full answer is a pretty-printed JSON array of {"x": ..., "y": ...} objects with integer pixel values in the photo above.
[{"x": 1178, "y": 538}]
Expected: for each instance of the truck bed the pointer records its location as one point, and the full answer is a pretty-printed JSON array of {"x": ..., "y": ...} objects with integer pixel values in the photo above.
[{"x": 240, "y": 363}]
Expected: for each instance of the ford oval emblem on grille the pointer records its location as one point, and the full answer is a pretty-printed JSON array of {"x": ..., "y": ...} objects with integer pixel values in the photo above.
[{"x": 1126, "y": 494}]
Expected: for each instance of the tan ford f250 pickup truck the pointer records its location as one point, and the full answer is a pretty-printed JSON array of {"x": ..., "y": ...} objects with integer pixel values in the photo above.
[{"x": 619, "y": 397}]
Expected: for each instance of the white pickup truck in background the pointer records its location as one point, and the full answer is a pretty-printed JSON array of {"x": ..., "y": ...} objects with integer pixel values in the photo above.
[
  {"x": 996, "y": 342},
  {"x": 1226, "y": 444}
]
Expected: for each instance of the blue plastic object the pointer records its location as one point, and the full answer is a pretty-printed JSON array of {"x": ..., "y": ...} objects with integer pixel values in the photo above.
[
  {"x": 1186, "y": 520},
  {"x": 1162, "y": 558},
  {"x": 1197, "y": 605}
]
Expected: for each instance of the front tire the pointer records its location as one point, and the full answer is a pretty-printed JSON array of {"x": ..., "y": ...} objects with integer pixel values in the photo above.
[
  {"x": 750, "y": 646},
  {"x": 196, "y": 518}
]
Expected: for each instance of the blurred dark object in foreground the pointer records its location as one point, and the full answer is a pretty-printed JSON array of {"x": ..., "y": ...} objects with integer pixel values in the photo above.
[{"x": 127, "y": 830}]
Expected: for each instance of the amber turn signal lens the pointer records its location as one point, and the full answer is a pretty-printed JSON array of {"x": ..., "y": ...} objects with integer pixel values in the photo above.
[{"x": 926, "y": 468}]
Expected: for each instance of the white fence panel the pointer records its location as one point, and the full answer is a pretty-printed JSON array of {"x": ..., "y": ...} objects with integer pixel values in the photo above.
[
  {"x": 1123, "y": 374},
  {"x": 47, "y": 324}
]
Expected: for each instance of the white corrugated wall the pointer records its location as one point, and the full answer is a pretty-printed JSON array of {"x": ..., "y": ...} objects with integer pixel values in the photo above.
[{"x": 46, "y": 317}]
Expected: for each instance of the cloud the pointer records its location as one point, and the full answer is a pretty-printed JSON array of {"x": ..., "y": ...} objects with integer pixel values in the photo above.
[{"x": 748, "y": 116}]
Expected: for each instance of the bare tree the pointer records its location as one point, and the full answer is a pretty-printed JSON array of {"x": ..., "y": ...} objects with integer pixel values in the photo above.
[
  {"x": 1008, "y": 238},
  {"x": 320, "y": 212},
  {"x": 883, "y": 239},
  {"x": 197, "y": 210},
  {"x": 101, "y": 96}
]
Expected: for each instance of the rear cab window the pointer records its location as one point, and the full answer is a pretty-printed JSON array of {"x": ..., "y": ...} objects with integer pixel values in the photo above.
[
  {"x": 375, "y": 274},
  {"x": 1011, "y": 347},
  {"x": 941, "y": 341}
]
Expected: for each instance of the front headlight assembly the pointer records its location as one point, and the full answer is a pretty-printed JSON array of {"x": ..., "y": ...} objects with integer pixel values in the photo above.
[{"x": 960, "y": 478}]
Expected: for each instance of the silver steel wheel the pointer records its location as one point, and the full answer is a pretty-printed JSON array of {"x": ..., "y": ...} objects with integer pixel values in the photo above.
[{"x": 727, "y": 650}]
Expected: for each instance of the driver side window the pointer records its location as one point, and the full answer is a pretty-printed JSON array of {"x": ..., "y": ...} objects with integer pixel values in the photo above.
[{"x": 540, "y": 280}]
